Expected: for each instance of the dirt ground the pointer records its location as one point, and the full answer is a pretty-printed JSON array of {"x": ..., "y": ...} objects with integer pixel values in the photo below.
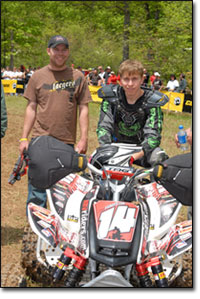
[{"x": 13, "y": 202}]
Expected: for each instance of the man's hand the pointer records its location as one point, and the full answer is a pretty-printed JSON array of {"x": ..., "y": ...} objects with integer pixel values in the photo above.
[
  {"x": 176, "y": 141},
  {"x": 189, "y": 137},
  {"x": 81, "y": 146},
  {"x": 23, "y": 146}
]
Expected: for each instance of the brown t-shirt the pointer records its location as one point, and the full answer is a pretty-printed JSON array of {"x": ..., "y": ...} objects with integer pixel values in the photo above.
[{"x": 57, "y": 94}]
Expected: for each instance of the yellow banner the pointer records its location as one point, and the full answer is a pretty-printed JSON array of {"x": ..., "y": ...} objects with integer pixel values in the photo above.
[
  {"x": 176, "y": 101},
  {"x": 9, "y": 86},
  {"x": 93, "y": 91}
]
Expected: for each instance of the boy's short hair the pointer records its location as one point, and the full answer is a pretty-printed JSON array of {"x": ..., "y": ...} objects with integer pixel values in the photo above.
[{"x": 131, "y": 67}]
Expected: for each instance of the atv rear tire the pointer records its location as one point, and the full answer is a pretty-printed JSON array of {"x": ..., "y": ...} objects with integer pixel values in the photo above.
[{"x": 185, "y": 278}]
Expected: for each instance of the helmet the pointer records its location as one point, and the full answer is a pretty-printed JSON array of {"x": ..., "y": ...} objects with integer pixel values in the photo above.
[{"x": 102, "y": 155}]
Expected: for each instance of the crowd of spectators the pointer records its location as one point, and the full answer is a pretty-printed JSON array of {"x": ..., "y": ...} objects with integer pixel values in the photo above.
[
  {"x": 154, "y": 81},
  {"x": 15, "y": 74},
  {"x": 20, "y": 74},
  {"x": 100, "y": 77}
]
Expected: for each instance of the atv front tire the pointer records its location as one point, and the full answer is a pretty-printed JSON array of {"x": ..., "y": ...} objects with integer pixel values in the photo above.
[{"x": 33, "y": 269}]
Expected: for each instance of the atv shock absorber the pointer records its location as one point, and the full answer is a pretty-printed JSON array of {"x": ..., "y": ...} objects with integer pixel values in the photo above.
[
  {"x": 77, "y": 271},
  {"x": 61, "y": 266},
  {"x": 159, "y": 275},
  {"x": 74, "y": 277},
  {"x": 143, "y": 275},
  {"x": 157, "y": 269}
]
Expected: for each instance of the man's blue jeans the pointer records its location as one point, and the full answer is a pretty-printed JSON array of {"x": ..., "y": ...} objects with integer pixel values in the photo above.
[{"x": 36, "y": 196}]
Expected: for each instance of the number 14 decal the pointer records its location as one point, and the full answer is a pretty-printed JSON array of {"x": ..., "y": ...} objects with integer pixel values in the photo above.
[{"x": 120, "y": 219}]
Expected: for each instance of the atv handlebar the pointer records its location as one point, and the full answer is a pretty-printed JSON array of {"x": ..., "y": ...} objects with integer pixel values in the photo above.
[
  {"x": 118, "y": 172},
  {"x": 94, "y": 169},
  {"x": 108, "y": 172}
]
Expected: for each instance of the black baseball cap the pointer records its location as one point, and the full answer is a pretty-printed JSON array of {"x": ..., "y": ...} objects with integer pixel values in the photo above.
[{"x": 57, "y": 40}]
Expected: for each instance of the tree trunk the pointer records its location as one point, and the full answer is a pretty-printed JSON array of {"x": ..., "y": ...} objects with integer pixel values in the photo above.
[
  {"x": 148, "y": 15},
  {"x": 126, "y": 32},
  {"x": 4, "y": 39},
  {"x": 11, "y": 51}
]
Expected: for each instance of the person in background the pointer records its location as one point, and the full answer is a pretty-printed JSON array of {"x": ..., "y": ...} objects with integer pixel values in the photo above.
[
  {"x": 101, "y": 72},
  {"x": 172, "y": 84},
  {"x": 152, "y": 78},
  {"x": 20, "y": 81},
  {"x": 157, "y": 83},
  {"x": 2, "y": 71},
  {"x": 20, "y": 74},
  {"x": 107, "y": 74},
  {"x": 94, "y": 78},
  {"x": 7, "y": 74},
  {"x": 4, "y": 118},
  {"x": 22, "y": 68},
  {"x": 146, "y": 78},
  {"x": 113, "y": 79},
  {"x": 182, "y": 84},
  {"x": 88, "y": 75},
  {"x": 14, "y": 74},
  {"x": 54, "y": 94}
]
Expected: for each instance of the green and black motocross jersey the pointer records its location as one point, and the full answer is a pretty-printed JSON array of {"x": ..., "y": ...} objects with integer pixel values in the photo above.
[{"x": 140, "y": 123}]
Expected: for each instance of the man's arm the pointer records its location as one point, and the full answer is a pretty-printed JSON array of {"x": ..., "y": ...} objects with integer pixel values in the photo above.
[
  {"x": 83, "y": 124},
  {"x": 29, "y": 120}
]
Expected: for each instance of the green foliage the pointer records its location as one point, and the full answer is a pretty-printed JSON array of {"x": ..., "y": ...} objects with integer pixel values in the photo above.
[{"x": 159, "y": 33}]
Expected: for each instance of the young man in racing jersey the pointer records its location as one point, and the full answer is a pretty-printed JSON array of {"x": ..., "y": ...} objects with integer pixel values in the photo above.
[{"x": 128, "y": 117}]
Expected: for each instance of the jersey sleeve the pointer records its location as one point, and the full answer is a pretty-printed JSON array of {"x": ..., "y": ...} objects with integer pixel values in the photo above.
[
  {"x": 106, "y": 123},
  {"x": 152, "y": 130}
]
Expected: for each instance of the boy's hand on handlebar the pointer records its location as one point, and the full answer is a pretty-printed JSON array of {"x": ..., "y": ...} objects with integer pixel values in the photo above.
[{"x": 136, "y": 156}]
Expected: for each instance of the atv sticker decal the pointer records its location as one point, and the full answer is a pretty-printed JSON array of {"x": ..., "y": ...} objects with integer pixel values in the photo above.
[
  {"x": 62, "y": 191},
  {"x": 84, "y": 217},
  {"x": 43, "y": 224},
  {"x": 115, "y": 221},
  {"x": 38, "y": 216},
  {"x": 173, "y": 243}
]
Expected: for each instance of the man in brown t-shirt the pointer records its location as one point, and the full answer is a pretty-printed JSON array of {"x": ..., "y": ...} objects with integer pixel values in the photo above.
[{"x": 54, "y": 92}]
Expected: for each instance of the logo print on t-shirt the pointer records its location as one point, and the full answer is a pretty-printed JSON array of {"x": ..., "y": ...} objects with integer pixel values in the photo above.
[{"x": 68, "y": 85}]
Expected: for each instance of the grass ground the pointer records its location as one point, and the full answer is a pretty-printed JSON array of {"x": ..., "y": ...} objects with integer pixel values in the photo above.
[{"x": 13, "y": 201}]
